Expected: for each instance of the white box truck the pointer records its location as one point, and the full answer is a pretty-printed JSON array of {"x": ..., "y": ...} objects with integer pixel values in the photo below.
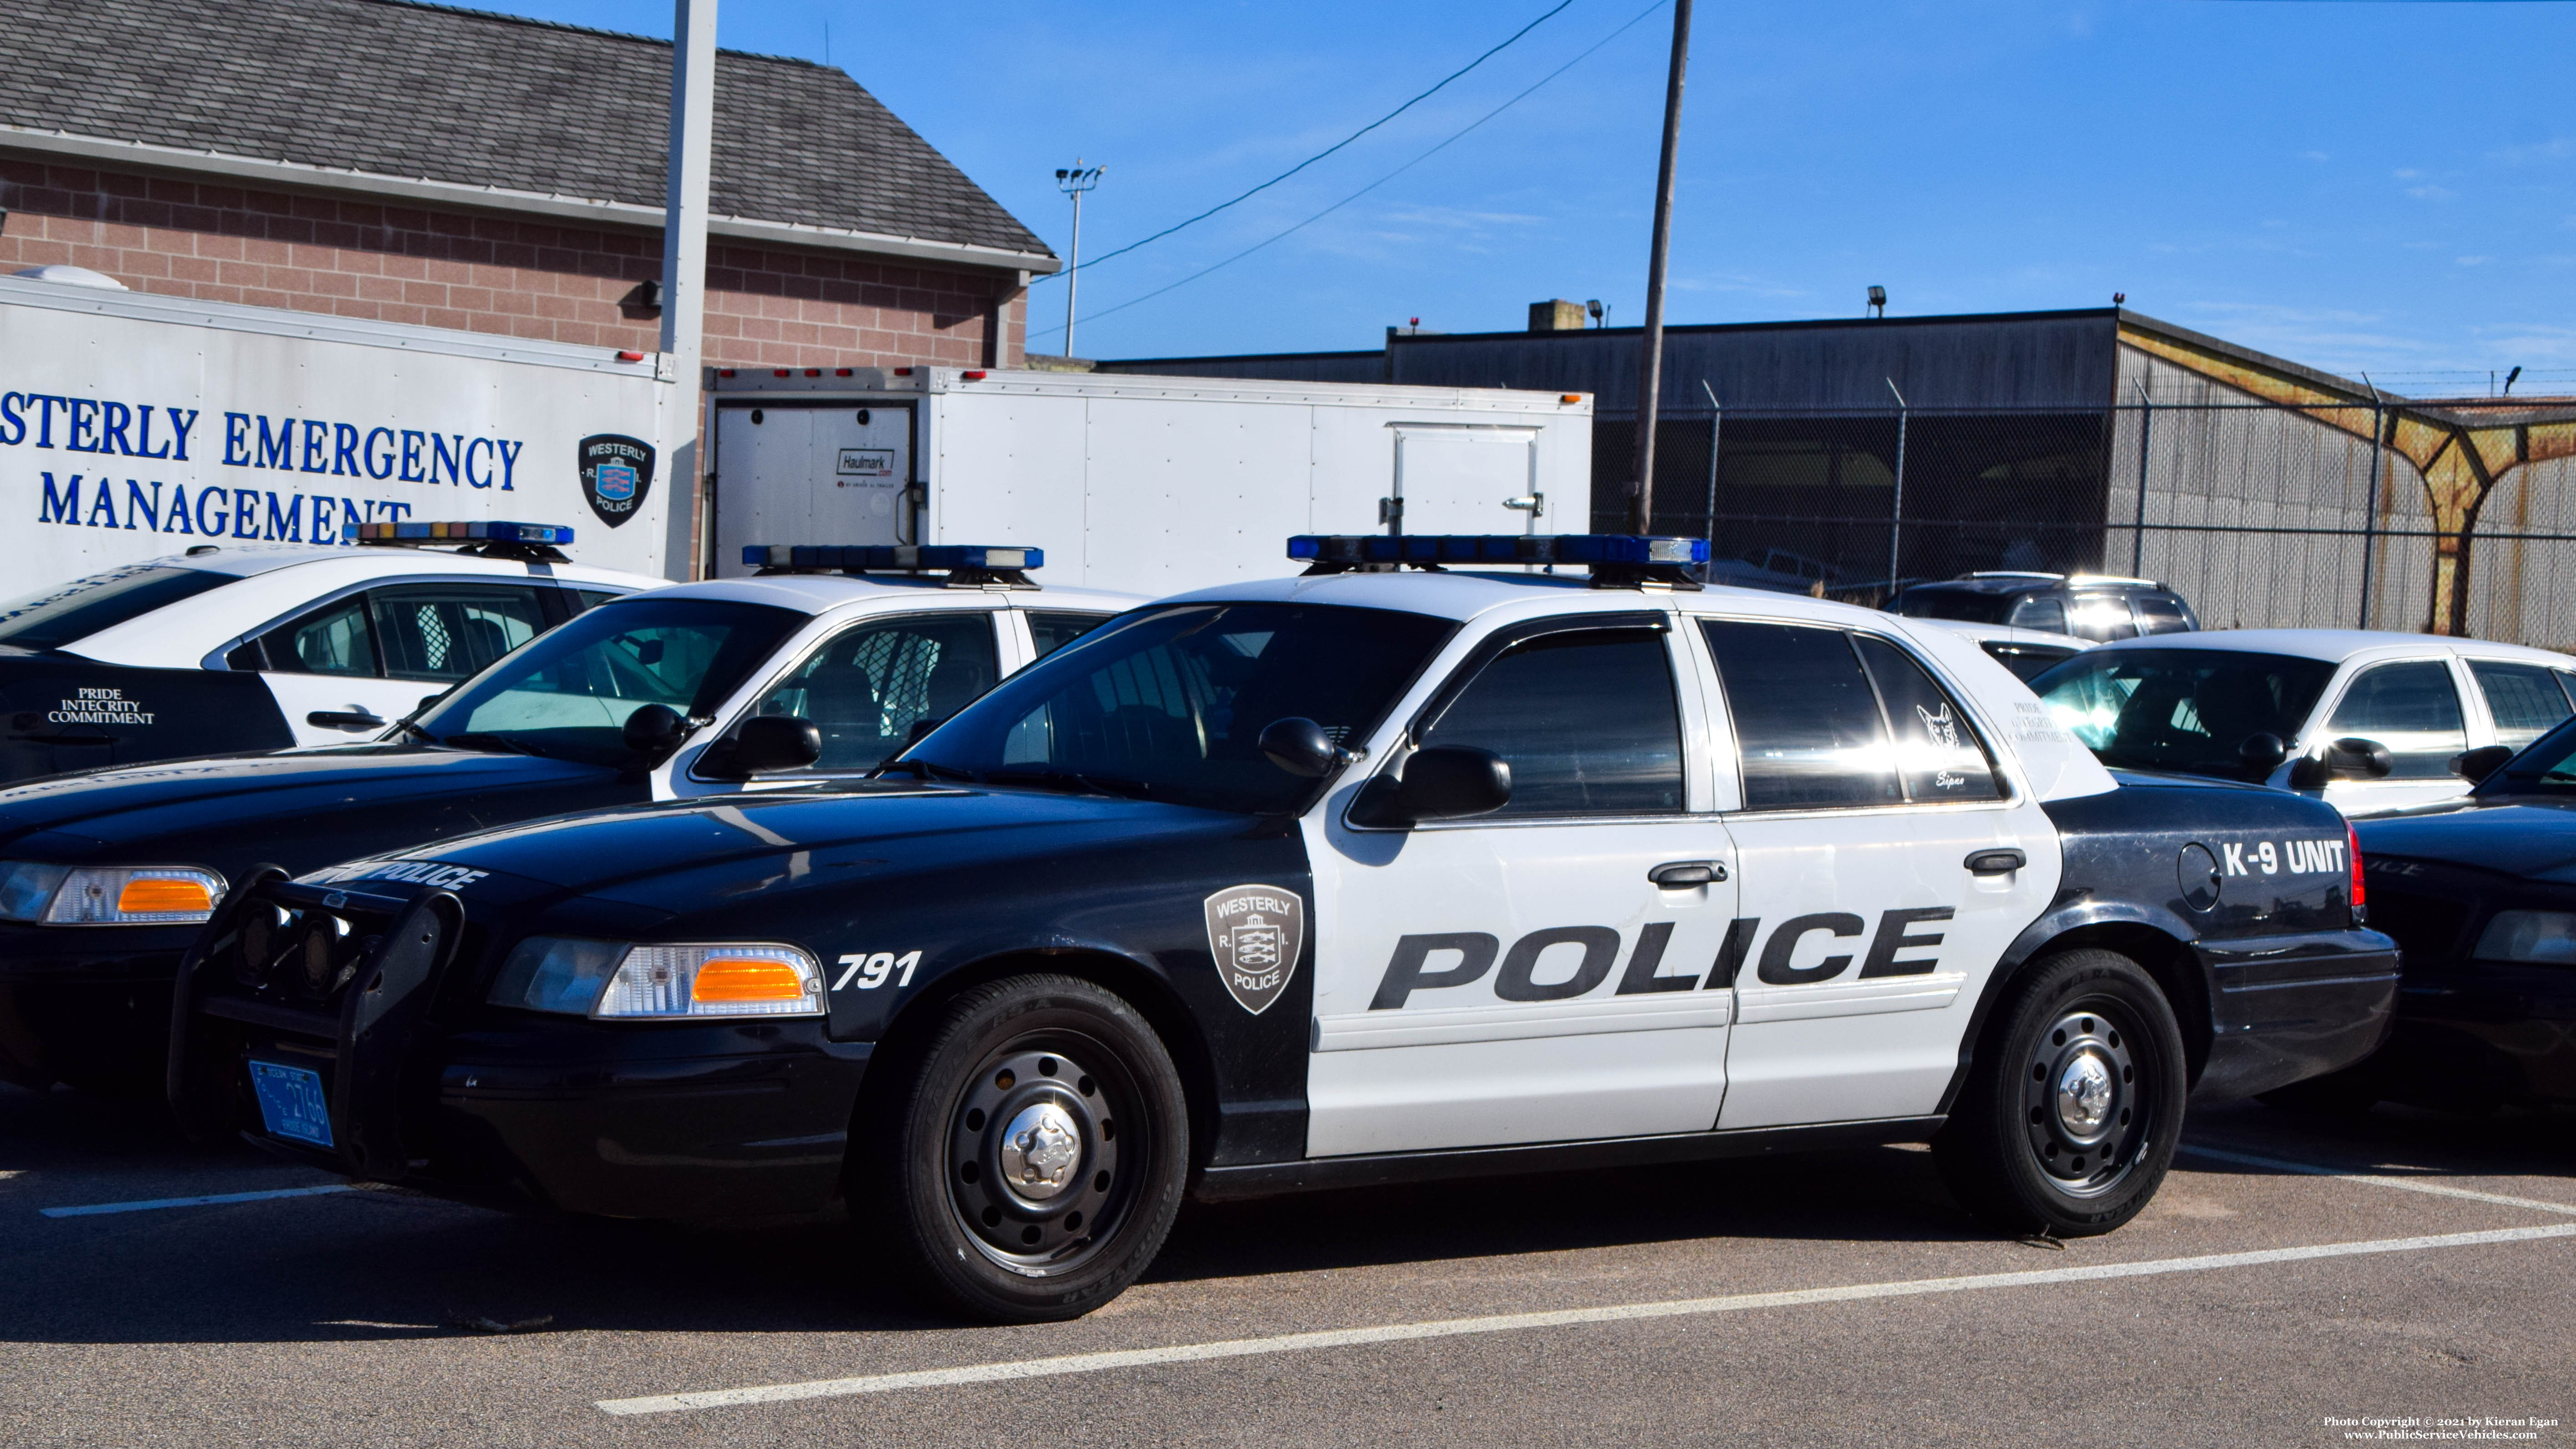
[
  {"x": 135, "y": 426},
  {"x": 1149, "y": 485}
]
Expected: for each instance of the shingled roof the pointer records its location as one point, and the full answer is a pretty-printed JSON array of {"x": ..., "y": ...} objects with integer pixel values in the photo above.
[{"x": 388, "y": 88}]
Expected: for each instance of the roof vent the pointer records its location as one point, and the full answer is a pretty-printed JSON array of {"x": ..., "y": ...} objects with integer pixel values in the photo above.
[
  {"x": 71, "y": 276},
  {"x": 1557, "y": 316}
]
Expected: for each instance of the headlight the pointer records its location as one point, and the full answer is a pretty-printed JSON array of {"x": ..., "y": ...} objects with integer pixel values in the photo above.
[
  {"x": 616, "y": 980},
  {"x": 139, "y": 895},
  {"x": 2546, "y": 937}
]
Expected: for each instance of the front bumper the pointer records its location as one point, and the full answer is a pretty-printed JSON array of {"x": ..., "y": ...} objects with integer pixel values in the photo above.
[
  {"x": 87, "y": 1004},
  {"x": 2287, "y": 1008},
  {"x": 641, "y": 1119}
]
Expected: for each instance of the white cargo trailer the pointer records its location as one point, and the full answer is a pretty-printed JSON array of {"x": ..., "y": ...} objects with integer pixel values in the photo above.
[
  {"x": 134, "y": 426},
  {"x": 1147, "y": 485}
]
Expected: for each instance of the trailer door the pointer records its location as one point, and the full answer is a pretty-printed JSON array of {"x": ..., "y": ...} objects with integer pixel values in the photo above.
[
  {"x": 794, "y": 471},
  {"x": 1467, "y": 478}
]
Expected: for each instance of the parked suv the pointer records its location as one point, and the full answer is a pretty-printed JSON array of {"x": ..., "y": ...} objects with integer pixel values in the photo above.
[{"x": 2099, "y": 607}]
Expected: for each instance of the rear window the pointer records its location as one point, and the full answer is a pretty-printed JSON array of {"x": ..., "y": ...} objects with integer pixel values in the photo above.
[
  {"x": 1967, "y": 605},
  {"x": 68, "y": 613},
  {"x": 2190, "y": 710}
]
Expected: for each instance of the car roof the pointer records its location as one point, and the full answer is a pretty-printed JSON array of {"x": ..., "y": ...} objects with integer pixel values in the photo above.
[
  {"x": 2005, "y": 633},
  {"x": 2336, "y": 645},
  {"x": 250, "y": 560},
  {"x": 1465, "y": 595},
  {"x": 819, "y": 593},
  {"x": 2009, "y": 583}
]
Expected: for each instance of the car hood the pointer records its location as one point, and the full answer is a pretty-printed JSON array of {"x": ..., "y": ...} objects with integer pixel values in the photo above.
[
  {"x": 2528, "y": 840},
  {"x": 301, "y": 808}
]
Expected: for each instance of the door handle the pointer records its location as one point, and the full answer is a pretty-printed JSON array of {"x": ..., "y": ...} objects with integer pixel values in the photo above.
[
  {"x": 1995, "y": 862},
  {"x": 1681, "y": 875},
  {"x": 344, "y": 719}
]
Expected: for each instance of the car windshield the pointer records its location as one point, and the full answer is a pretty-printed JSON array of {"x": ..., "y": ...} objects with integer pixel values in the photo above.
[
  {"x": 2546, "y": 767},
  {"x": 2188, "y": 710},
  {"x": 567, "y": 695},
  {"x": 1167, "y": 704},
  {"x": 1967, "y": 605},
  {"x": 68, "y": 613}
]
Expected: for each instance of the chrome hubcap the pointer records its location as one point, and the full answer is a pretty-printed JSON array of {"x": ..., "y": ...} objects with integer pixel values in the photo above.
[
  {"x": 2082, "y": 1096},
  {"x": 1040, "y": 1150}
]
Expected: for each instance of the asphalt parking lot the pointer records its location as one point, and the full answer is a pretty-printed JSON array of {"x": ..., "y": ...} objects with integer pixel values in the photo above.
[{"x": 2419, "y": 1267}]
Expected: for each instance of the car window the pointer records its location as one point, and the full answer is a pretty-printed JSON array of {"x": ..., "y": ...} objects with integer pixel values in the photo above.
[
  {"x": 590, "y": 598},
  {"x": 2190, "y": 710},
  {"x": 867, "y": 686},
  {"x": 333, "y": 639},
  {"x": 2411, "y": 708},
  {"x": 1806, "y": 719},
  {"x": 1587, "y": 720},
  {"x": 2041, "y": 613},
  {"x": 1051, "y": 630},
  {"x": 2161, "y": 614},
  {"x": 1967, "y": 605},
  {"x": 2525, "y": 699},
  {"x": 1938, "y": 754},
  {"x": 452, "y": 631},
  {"x": 67, "y": 613},
  {"x": 2100, "y": 618},
  {"x": 2027, "y": 661}
]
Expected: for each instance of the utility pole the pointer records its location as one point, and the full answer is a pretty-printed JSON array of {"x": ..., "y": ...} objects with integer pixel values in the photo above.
[
  {"x": 684, "y": 271},
  {"x": 1650, "y": 373},
  {"x": 1073, "y": 182}
]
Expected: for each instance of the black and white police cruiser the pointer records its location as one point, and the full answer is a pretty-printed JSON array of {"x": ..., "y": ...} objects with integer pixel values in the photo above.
[
  {"x": 267, "y": 645},
  {"x": 1345, "y": 878},
  {"x": 817, "y": 668}
]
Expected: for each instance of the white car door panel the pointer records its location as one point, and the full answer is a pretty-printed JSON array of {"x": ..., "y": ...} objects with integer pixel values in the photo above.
[{"x": 2413, "y": 706}]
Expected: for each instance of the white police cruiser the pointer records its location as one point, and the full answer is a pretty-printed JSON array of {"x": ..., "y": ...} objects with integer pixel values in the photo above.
[
  {"x": 820, "y": 667},
  {"x": 262, "y": 646},
  {"x": 1358, "y": 876}
]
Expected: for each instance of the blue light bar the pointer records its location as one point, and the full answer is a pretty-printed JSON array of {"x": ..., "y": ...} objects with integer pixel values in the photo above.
[
  {"x": 1589, "y": 549},
  {"x": 892, "y": 557},
  {"x": 476, "y": 531}
]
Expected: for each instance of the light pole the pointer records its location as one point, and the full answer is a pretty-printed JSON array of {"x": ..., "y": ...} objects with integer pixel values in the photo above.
[
  {"x": 1641, "y": 505},
  {"x": 1074, "y": 182}
]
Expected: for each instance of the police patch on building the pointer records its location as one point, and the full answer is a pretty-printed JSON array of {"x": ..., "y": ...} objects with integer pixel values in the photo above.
[
  {"x": 1255, "y": 933},
  {"x": 616, "y": 475}
]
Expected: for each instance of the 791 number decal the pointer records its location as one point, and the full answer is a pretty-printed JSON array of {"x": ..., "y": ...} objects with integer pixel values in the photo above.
[{"x": 872, "y": 970}]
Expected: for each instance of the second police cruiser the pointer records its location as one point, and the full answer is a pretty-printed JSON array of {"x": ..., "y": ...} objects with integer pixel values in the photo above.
[
  {"x": 1344, "y": 878},
  {"x": 819, "y": 670}
]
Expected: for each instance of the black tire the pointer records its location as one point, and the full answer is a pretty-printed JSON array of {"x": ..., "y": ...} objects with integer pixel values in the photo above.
[
  {"x": 2079, "y": 1033},
  {"x": 1032, "y": 1163}
]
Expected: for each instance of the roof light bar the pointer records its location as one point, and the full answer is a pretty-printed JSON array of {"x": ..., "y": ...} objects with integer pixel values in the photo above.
[
  {"x": 962, "y": 562},
  {"x": 480, "y": 530},
  {"x": 1616, "y": 559}
]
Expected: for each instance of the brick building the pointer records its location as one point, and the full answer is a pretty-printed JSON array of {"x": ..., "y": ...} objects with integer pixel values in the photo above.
[{"x": 409, "y": 163}]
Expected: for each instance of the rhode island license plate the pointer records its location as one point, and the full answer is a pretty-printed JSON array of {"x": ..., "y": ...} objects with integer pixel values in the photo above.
[{"x": 292, "y": 1104}]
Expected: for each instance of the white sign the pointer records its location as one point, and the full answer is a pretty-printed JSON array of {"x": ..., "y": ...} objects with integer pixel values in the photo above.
[{"x": 135, "y": 427}]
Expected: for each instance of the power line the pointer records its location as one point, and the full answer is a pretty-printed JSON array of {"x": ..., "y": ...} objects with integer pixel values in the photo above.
[
  {"x": 1329, "y": 150},
  {"x": 1381, "y": 181}
]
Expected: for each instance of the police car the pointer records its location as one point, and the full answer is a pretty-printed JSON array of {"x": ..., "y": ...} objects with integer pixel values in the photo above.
[
  {"x": 1345, "y": 878},
  {"x": 819, "y": 668},
  {"x": 263, "y": 646}
]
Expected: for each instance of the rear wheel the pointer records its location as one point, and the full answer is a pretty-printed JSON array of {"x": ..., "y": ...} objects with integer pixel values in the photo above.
[
  {"x": 1038, "y": 1154},
  {"x": 2074, "y": 1102}
]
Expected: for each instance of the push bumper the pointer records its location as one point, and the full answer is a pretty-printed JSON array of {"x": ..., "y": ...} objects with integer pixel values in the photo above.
[
  {"x": 645, "y": 1119},
  {"x": 2287, "y": 1008}
]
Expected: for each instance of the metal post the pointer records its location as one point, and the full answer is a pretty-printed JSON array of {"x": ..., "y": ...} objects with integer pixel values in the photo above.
[
  {"x": 2138, "y": 535},
  {"x": 1716, "y": 436},
  {"x": 2370, "y": 497},
  {"x": 1650, "y": 372},
  {"x": 1074, "y": 182},
  {"x": 1896, "y": 515},
  {"x": 684, "y": 272}
]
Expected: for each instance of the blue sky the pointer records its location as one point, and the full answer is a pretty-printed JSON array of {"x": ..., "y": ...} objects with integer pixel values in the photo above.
[{"x": 2384, "y": 187}]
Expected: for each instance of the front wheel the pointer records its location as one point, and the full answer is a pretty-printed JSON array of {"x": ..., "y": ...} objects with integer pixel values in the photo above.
[
  {"x": 2074, "y": 1101},
  {"x": 1039, "y": 1152}
]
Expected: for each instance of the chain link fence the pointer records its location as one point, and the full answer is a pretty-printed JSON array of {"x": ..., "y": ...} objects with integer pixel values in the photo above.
[{"x": 2455, "y": 518}]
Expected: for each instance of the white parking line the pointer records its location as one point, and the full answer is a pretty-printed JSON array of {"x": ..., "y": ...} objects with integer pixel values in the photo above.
[
  {"x": 2380, "y": 1179},
  {"x": 149, "y": 1204},
  {"x": 1082, "y": 1363}
]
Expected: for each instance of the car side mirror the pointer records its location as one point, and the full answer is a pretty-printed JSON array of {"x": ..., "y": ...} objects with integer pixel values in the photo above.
[
  {"x": 773, "y": 742},
  {"x": 1299, "y": 746},
  {"x": 2481, "y": 762},
  {"x": 654, "y": 731},
  {"x": 2263, "y": 751},
  {"x": 1439, "y": 783},
  {"x": 2349, "y": 758}
]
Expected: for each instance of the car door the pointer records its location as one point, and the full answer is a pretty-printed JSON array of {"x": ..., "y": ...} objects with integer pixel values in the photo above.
[
  {"x": 1884, "y": 862},
  {"x": 348, "y": 668},
  {"x": 1522, "y": 976},
  {"x": 868, "y": 685},
  {"x": 2413, "y": 707}
]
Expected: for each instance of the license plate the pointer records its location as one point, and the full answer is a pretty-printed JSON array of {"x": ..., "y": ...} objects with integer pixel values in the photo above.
[{"x": 292, "y": 1103}]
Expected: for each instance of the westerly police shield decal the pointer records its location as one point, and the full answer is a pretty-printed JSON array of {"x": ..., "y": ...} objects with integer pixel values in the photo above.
[
  {"x": 1255, "y": 932},
  {"x": 616, "y": 476}
]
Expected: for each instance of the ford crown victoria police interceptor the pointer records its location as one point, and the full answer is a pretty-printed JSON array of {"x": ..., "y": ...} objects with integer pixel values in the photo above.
[
  {"x": 1335, "y": 879},
  {"x": 691, "y": 690},
  {"x": 263, "y": 646}
]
